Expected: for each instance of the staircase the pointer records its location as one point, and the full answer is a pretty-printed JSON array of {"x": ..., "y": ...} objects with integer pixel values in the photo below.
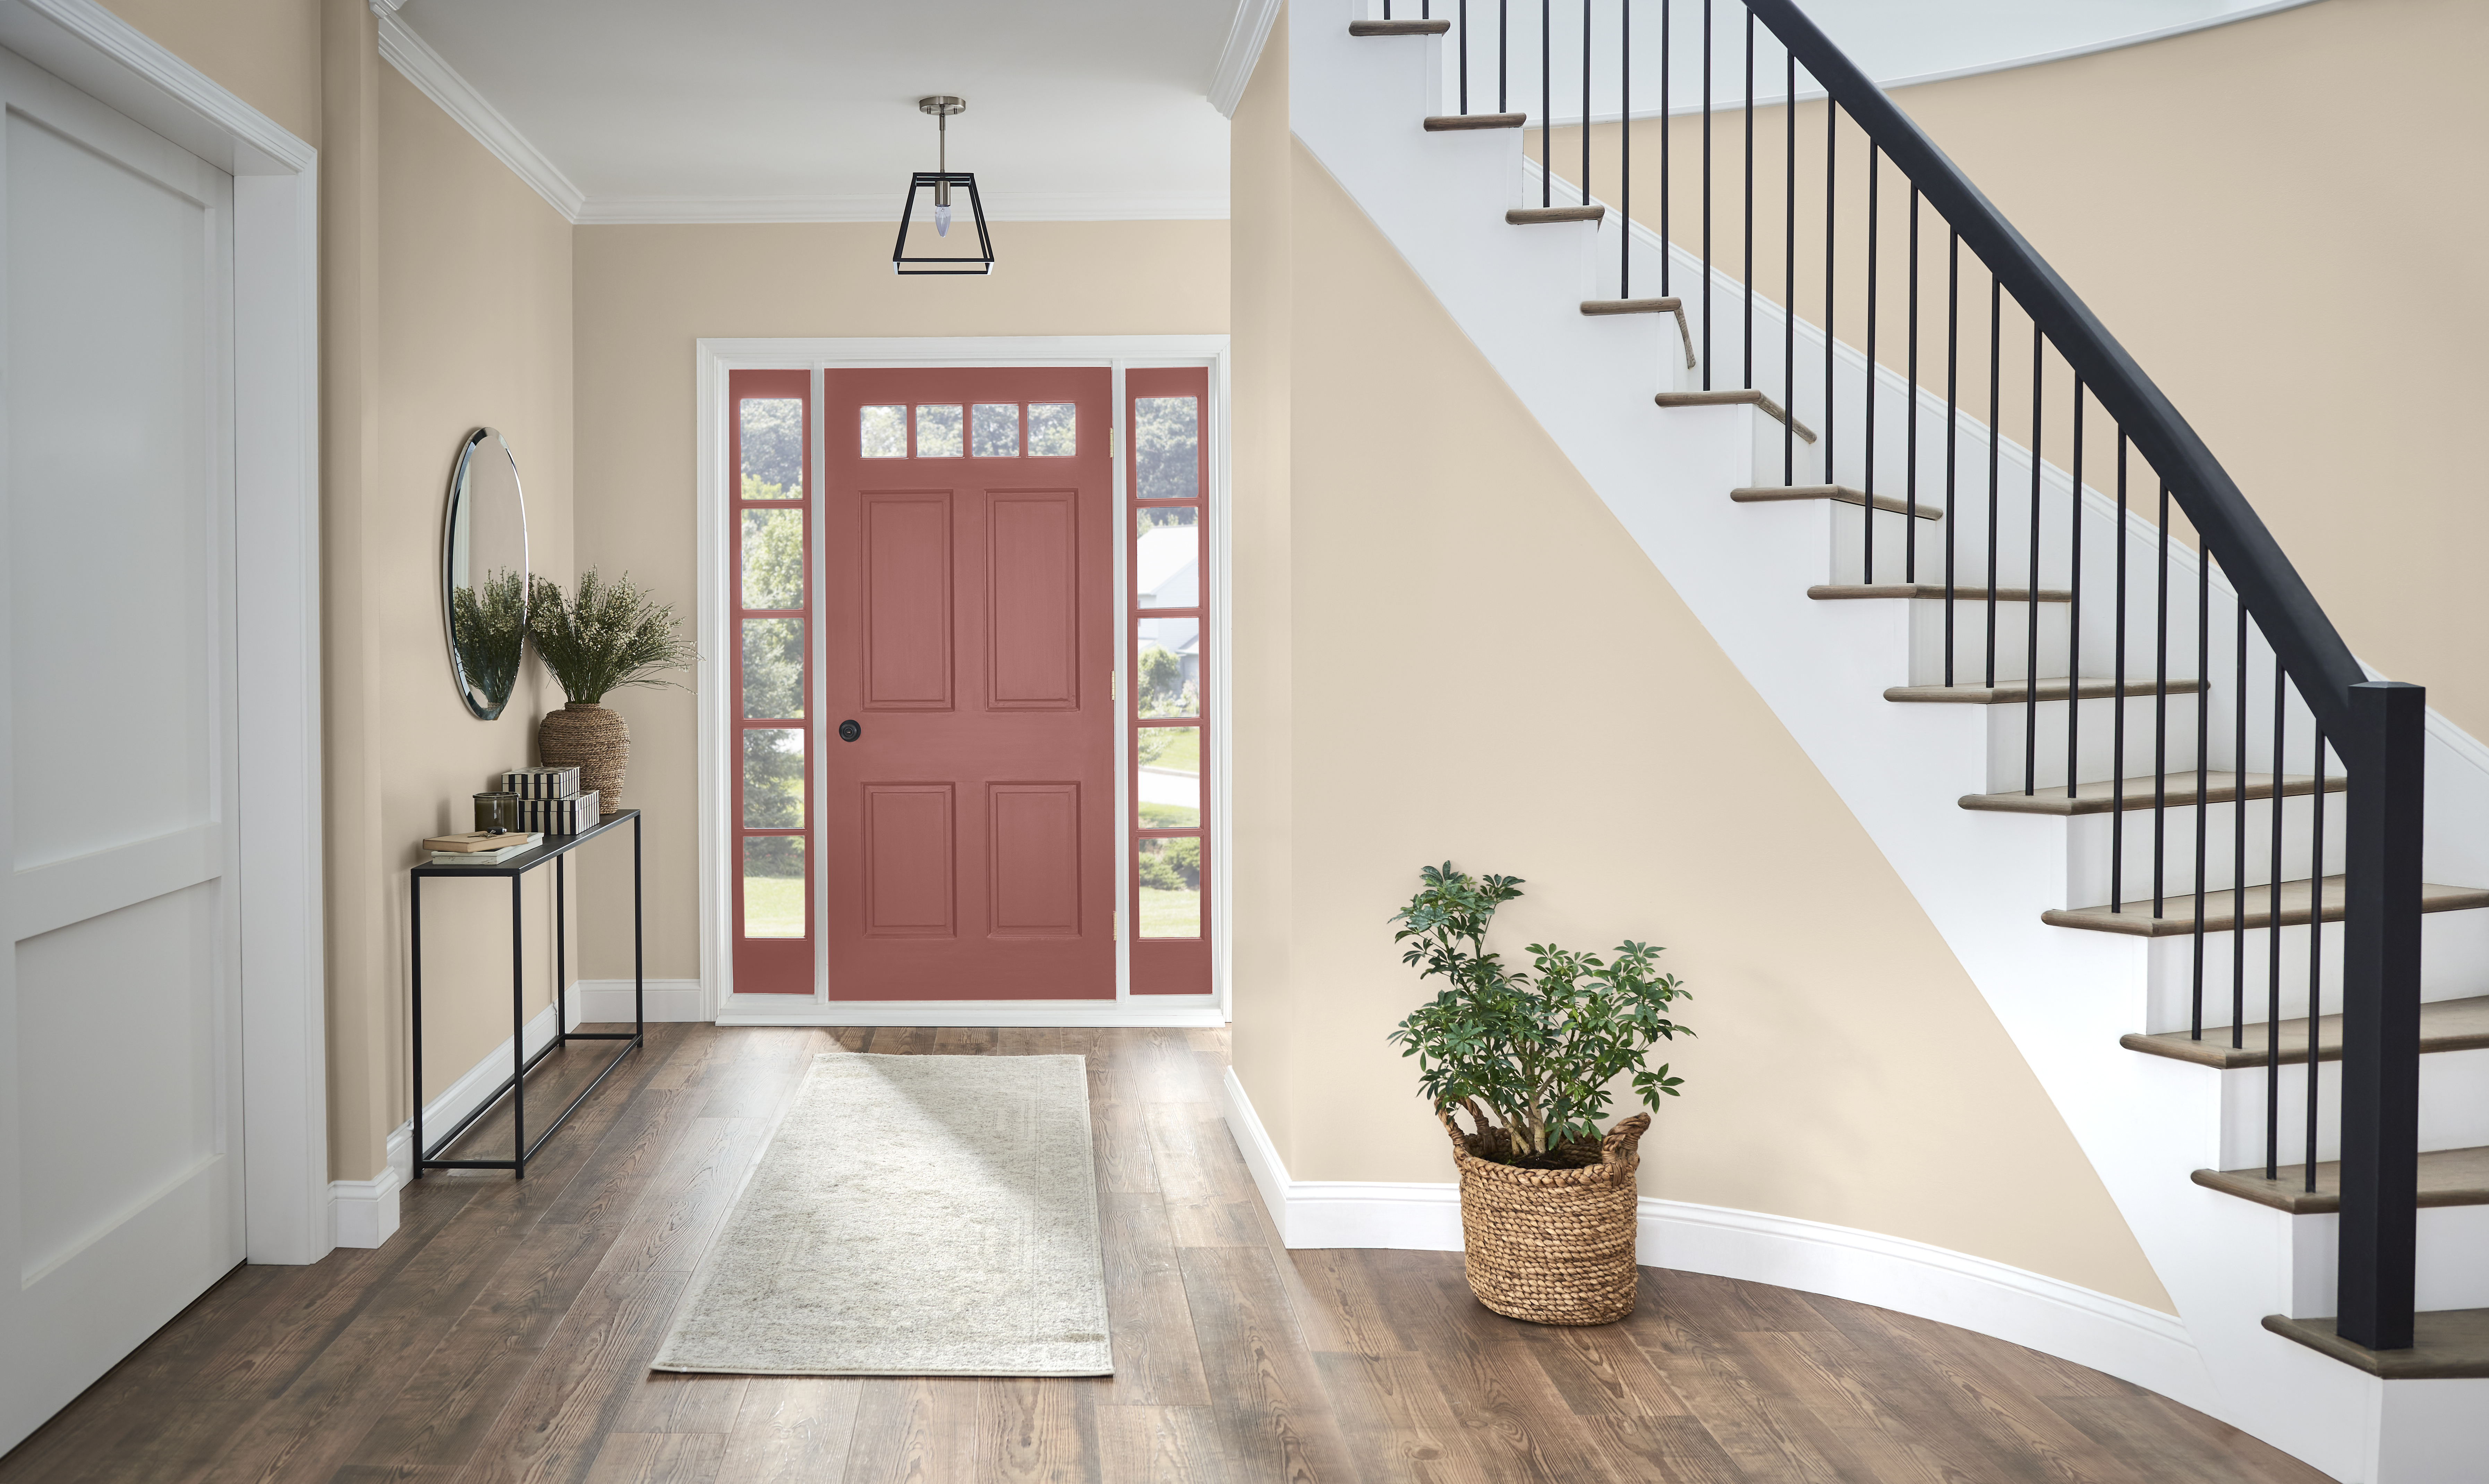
[{"x": 2161, "y": 814}]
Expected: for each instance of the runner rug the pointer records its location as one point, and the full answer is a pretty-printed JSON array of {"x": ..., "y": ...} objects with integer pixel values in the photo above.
[{"x": 911, "y": 1216}]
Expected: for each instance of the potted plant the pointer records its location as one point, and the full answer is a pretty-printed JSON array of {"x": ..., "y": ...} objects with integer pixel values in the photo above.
[
  {"x": 608, "y": 635},
  {"x": 1547, "y": 1200}
]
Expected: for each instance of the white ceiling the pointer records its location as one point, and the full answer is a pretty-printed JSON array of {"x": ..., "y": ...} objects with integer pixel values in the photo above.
[{"x": 793, "y": 110}]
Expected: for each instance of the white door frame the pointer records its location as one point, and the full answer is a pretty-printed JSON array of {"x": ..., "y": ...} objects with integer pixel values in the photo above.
[
  {"x": 712, "y": 361},
  {"x": 281, "y": 885}
]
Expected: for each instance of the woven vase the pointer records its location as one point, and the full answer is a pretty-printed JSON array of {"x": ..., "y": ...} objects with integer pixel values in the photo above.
[
  {"x": 1551, "y": 1246},
  {"x": 595, "y": 740}
]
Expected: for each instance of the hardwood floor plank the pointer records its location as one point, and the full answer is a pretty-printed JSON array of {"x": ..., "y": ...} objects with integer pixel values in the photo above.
[
  {"x": 1037, "y": 1429},
  {"x": 918, "y": 1429},
  {"x": 2150, "y": 1437},
  {"x": 657, "y": 1458},
  {"x": 1120, "y": 1139},
  {"x": 1155, "y": 1360},
  {"x": 1159, "y": 1445},
  {"x": 901, "y": 1040},
  {"x": 672, "y": 1224},
  {"x": 1395, "y": 1421},
  {"x": 1273, "y": 1416},
  {"x": 561, "y": 1411},
  {"x": 2017, "y": 1420},
  {"x": 966, "y": 1040},
  {"x": 792, "y": 1429},
  {"x": 1342, "y": 1283},
  {"x": 675, "y": 1402}
]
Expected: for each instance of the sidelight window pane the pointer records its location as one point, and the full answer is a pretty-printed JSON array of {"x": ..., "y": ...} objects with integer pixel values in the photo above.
[
  {"x": 883, "y": 432},
  {"x": 1166, "y": 557},
  {"x": 1166, "y": 447},
  {"x": 994, "y": 433},
  {"x": 1169, "y": 876},
  {"x": 773, "y": 778},
  {"x": 1168, "y": 665},
  {"x": 1170, "y": 776},
  {"x": 772, "y": 430},
  {"x": 1052, "y": 429},
  {"x": 937, "y": 432},
  {"x": 773, "y": 558},
  {"x": 773, "y": 668},
  {"x": 773, "y": 886}
]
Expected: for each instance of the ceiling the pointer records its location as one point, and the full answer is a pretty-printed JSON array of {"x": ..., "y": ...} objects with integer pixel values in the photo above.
[{"x": 805, "y": 110}]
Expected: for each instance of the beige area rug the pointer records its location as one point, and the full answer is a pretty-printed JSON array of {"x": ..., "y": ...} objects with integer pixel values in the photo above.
[{"x": 911, "y": 1216}]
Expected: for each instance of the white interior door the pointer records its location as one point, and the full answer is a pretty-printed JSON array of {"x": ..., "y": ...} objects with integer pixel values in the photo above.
[{"x": 119, "y": 1118}]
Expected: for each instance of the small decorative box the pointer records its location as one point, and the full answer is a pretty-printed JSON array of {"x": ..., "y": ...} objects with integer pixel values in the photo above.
[
  {"x": 559, "y": 815},
  {"x": 543, "y": 783}
]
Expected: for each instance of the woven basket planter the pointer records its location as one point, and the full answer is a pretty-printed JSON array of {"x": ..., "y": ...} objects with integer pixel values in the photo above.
[
  {"x": 1551, "y": 1246},
  {"x": 595, "y": 740}
]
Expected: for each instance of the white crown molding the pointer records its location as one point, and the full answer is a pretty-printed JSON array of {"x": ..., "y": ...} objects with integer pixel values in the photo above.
[
  {"x": 2049, "y": 1315},
  {"x": 1245, "y": 35},
  {"x": 81, "y": 43},
  {"x": 1000, "y": 206},
  {"x": 438, "y": 81}
]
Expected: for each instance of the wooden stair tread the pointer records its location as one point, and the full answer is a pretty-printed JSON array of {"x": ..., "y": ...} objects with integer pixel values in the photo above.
[
  {"x": 1730, "y": 398},
  {"x": 2015, "y": 693},
  {"x": 2445, "y": 1025},
  {"x": 1398, "y": 27},
  {"x": 2447, "y": 1177},
  {"x": 1454, "y": 123},
  {"x": 1930, "y": 592},
  {"x": 2446, "y": 1345},
  {"x": 1541, "y": 216},
  {"x": 1770, "y": 494},
  {"x": 2099, "y": 798},
  {"x": 2222, "y": 914}
]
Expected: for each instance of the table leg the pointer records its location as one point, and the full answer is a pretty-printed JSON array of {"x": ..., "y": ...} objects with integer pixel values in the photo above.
[
  {"x": 518, "y": 1040},
  {"x": 415, "y": 894},
  {"x": 639, "y": 964},
  {"x": 560, "y": 956}
]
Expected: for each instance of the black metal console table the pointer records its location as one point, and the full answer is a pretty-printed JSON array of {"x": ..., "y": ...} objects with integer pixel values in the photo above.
[{"x": 554, "y": 847}]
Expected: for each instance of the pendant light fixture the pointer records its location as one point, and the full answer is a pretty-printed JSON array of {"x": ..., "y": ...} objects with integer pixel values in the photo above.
[{"x": 943, "y": 182}]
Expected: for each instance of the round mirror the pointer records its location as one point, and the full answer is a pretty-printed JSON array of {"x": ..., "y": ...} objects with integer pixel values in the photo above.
[{"x": 484, "y": 573}]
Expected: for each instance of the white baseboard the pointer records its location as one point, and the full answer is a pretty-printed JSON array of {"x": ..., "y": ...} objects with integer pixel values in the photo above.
[
  {"x": 2115, "y": 1336},
  {"x": 606, "y": 1001},
  {"x": 364, "y": 1212}
]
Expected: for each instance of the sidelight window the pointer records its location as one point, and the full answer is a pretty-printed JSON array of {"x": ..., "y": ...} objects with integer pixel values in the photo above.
[
  {"x": 1166, "y": 479},
  {"x": 772, "y": 452}
]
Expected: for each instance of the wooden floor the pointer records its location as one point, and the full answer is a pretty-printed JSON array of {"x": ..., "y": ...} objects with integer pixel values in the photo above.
[{"x": 505, "y": 1333}]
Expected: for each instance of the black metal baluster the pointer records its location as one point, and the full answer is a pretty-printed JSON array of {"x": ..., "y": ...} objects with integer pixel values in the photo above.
[
  {"x": 2239, "y": 865},
  {"x": 1667, "y": 144},
  {"x": 1625, "y": 149},
  {"x": 2272, "y": 949},
  {"x": 2075, "y": 609},
  {"x": 2117, "y": 709},
  {"x": 1748, "y": 282},
  {"x": 1547, "y": 102},
  {"x": 1788, "y": 293},
  {"x": 1952, "y": 423},
  {"x": 1873, "y": 157},
  {"x": 1465, "y": 57},
  {"x": 1585, "y": 103},
  {"x": 2203, "y": 774},
  {"x": 1706, "y": 195},
  {"x": 1831, "y": 132},
  {"x": 1910, "y": 495},
  {"x": 1503, "y": 53},
  {"x": 2160, "y": 723},
  {"x": 2315, "y": 948},
  {"x": 2031, "y": 609},
  {"x": 1996, "y": 319}
]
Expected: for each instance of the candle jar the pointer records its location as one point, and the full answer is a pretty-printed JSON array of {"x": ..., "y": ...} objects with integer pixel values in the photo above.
[{"x": 495, "y": 812}]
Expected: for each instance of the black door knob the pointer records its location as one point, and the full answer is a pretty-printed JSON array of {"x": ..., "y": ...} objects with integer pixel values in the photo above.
[{"x": 849, "y": 731}]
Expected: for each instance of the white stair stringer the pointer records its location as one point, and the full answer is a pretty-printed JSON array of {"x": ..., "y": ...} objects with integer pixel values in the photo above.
[{"x": 2064, "y": 997}]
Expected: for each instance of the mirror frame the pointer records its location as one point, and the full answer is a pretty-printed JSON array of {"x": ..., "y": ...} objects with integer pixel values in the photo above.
[{"x": 451, "y": 511}]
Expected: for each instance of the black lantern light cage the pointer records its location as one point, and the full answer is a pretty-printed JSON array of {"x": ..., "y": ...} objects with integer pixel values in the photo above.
[{"x": 901, "y": 261}]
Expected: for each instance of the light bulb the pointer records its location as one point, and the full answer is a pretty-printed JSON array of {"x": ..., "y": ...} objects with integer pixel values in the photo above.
[{"x": 942, "y": 219}]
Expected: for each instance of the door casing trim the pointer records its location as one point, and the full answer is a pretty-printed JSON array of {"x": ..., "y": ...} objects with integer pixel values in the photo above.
[{"x": 712, "y": 361}]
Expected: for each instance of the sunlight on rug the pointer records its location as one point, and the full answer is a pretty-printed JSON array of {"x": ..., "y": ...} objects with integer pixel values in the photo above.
[{"x": 911, "y": 1216}]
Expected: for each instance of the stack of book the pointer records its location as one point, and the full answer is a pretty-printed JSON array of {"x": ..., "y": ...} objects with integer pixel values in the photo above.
[
  {"x": 480, "y": 848},
  {"x": 550, "y": 800}
]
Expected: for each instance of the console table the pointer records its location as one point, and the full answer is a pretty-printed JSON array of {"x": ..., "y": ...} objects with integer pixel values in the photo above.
[{"x": 553, "y": 849}]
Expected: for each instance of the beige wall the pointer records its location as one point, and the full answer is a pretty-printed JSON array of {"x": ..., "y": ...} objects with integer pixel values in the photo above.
[
  {"x": 264, "y": 52},
  {"x": 1459, "y": 604},
  {"x": 646, "y": 294},
  {"x": 2277, "y": 218}
]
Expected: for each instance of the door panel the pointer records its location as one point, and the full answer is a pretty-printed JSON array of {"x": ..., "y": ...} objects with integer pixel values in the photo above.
[
  {"x": 119, "y": 1078},
  {"x": 967, "y": 834}
]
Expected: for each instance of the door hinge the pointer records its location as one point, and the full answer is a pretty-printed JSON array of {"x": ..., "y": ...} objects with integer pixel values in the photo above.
[
  {"x": 1115, "y": 440},
  {"x": 1119, "y": 924},
  {"x": 1112, "y": 677}
]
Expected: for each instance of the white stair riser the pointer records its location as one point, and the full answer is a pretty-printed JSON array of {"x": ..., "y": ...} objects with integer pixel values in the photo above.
[
  {"x": 2450, "y": 1275},
  {"x": 1970, "y": 642},
  {"x": 2093, "y": 741},
  {"x": 2453, "y": 1109},
  {"x": 2089, "y": 853},
  {"x": 2454, "y": 964}
]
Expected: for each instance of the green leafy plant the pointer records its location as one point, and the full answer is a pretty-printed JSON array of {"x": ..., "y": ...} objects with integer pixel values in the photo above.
[
  {"x": 1538, "y": 1048},
  {"x": 608, "y": 635},
  {"x": 488, "y": 628}
]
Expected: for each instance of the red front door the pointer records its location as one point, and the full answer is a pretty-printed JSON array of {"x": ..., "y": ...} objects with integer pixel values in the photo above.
[{"x": 967, "y": 828}]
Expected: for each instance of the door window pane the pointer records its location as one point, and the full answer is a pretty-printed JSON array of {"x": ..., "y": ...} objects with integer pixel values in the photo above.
[
  {"x": 994, "y": 433},
  {"x": 773, "y": 668},
  {"x": 1169, "y": 876},
  {"x": 1166, "y": 557},
  {"x": 773, "y": 778},
  {"x": 773, "y": 448},
  {"x": 1166, "y": 447},
  {"x": 773, "y": 558},
  {"x": 1168, "y": 665},
  {"x": 883, "y": 432},
  {"x": 1052, "y": 429},
  {"x": 937, "y": 432},
  {"x": 1170, "y": 776},
  {"x": 773, "y": 886}
]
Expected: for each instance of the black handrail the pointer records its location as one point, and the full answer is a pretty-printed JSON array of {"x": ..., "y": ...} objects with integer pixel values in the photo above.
[{"x": 2287, "y": 613}]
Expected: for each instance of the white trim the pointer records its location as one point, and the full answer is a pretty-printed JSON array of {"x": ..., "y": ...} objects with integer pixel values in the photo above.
[
  {"x": 286, "y": 1201},
  {"x": 1245, "y": 35},
  {"x": 1000, "y": 206},
  {"x": 608, "y": 1001},
  {"x": 436, "y": 79},
  {"x": 712, "y": 359},
  {"x": 2125, "y": 1339},
  {"x": 364, "y": 1212}
]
